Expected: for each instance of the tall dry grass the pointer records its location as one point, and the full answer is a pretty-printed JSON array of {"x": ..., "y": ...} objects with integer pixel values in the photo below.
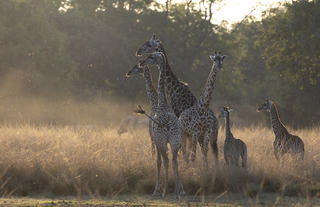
[{"x": 97, "y": 162}]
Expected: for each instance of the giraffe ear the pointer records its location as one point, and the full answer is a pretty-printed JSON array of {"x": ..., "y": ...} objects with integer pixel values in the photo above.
[
  {"x": 223, "y": 57},
  {"x": 230, "y": 110},
  {"x": 211, "y": 57}
]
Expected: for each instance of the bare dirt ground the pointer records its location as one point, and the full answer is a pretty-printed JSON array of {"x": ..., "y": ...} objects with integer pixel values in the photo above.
[{"x": 222, "y": 200}]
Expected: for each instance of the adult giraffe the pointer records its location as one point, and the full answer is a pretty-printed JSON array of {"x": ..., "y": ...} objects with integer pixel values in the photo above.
[
  {"x": 195, "y": 117},
  {"x": 166, "y": 128}
]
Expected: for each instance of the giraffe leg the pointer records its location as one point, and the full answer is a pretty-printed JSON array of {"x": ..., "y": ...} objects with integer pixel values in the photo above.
[
  {"x": 236, "y": 161},
  {"x": 151, "y": 133},
  {"x": 181, "y": 190},
  {"x": 231, "y": 161},
  {"x": 194, "y": 147},
  {"x": 189, "y": 146},
  {"x": 214, "y": 146},
  {"x": 184, "y": 147},
  {"x": 276, "y": 154},
  {"x": 177, "y": 183},
  {"x": 227, "y": 160},
  {"x": 204, "y": 150},
  {"x": 166, "y": 166},
  {"x": 153, "y": 150},
  {"x": 279, "y": 157},
  {"x": 156, "y": 191},
  {"x": 212, "y": 127},
  {"x": 211, "y": 137},
  {"x": 282, "y": 158},
  {"x": 301, "y": 157},
  {"x": 244, "y": 156}
]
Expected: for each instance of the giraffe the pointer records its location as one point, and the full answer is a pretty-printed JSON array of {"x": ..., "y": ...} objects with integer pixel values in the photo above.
[
  {"x": 233, "y": 148},
  {"x": 193, "y": 118},
  {"x": 284, "y": 143},
  {"x": 181, "y": 98},
  {"x": 166, "y": 127},
  {"x": 130, "y": 124},
  {"x": 151, "y": 93}
]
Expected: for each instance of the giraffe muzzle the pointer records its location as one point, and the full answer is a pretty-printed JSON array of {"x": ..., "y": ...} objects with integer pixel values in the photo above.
[
  {"x": 127, "y": 76},
  {"x": 138, "y": 53}
]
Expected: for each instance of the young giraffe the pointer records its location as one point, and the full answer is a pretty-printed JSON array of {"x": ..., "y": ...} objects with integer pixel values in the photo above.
[
  {"x": 233, "y": 148},
  {"x": 284, "y": 143},
  {"x": 151, "y": 93},
  {"x": 166, "y": 127},
  {"x": 181, "y": 98},
  {"x": 193, "y": 118}
]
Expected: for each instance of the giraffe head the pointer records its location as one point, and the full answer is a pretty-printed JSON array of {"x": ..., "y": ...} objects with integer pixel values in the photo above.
[
  {"x": 225, "y": 111},
  {"x": 218, "y": 59},
  {"x": 156, "y": 58},
  {"x": 149, "y": 46},
  {"x": 136, "y": 70},
  {"x": 265, "y": 106}
]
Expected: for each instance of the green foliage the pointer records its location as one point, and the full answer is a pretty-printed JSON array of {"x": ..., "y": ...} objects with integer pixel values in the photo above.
[
  {"x": 82, "y": 48},
  {"x": 291, "y": 49}
]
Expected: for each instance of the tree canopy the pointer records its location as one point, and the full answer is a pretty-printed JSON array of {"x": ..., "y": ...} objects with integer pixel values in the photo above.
[{"x": 81, "y": 48}]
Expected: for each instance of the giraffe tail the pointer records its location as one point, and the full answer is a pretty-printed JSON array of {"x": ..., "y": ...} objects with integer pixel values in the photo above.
[
  {"x": 244, "y": 156},
  {"x": 214, "y": 144},
  {"x": 302, "y": 155}
]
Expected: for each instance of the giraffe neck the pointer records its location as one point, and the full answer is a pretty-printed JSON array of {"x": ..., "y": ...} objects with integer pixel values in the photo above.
[
  {"x": 162, "y": 100},
  {"x": 204, "y": 100},
  {"x": 151, "y": 91},
  {"x": 178, "y": 93},
  {"x": 170, "y": 78},
  {"x": 228, "y": 131},
  {"x": 278, "y": 128}
]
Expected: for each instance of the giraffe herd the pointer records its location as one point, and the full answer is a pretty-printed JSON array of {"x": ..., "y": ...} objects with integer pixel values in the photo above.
[{"x": 181, "y": 120}]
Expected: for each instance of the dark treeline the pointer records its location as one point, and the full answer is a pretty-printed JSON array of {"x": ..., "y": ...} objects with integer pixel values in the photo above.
[{"x": 83, "y": 48}]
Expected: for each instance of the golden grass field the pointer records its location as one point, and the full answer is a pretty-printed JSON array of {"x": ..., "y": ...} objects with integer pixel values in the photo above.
[{"x": 55, "y": 162}]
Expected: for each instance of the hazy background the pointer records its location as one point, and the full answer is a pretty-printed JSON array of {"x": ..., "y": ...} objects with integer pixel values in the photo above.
[{"x": 63, "y": 62}]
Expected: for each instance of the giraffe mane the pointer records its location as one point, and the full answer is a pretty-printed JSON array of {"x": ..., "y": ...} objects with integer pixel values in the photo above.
[{"x": 277, "y": 113}]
